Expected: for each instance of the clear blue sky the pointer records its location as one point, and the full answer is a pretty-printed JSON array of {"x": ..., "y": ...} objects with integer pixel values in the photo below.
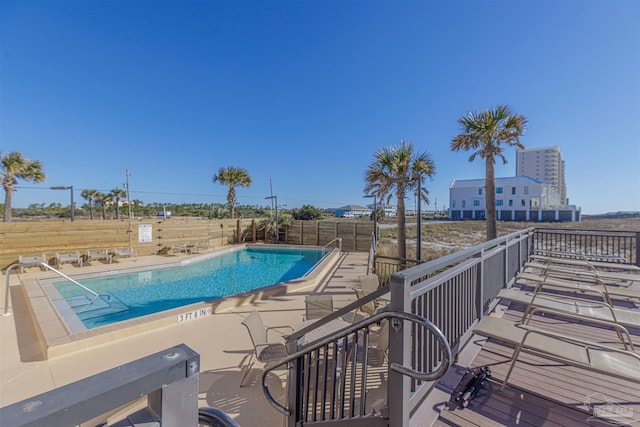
[{"x": 305, "y": 92}]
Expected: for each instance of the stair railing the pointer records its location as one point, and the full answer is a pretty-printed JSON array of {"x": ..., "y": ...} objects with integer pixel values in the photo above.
[
  {"x": 41, "y": 264},
  {"x": 348, "y": 338}
]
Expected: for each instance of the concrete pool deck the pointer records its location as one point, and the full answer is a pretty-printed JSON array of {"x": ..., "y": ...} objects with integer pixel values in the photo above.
[{"x": 220, "y": 339}]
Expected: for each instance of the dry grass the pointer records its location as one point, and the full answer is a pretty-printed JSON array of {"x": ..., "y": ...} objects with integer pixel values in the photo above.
[{"x": 446, "y": 237}]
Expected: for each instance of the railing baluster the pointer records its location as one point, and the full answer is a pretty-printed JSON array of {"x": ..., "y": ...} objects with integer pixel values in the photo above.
[
  {"x": 352, "y": 385},
  {"x": 324, "y": 382},
  {"x": 363, "y": 380},
  {"x": 316, "y": 385}
]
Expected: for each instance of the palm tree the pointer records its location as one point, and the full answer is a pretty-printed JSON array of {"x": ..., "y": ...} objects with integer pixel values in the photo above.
[
  {"x": 117, "y": 194},
  {"x": 486, "y": 134},
  {"x": 395, "y": 170},
  {"x": 90, "y": 196},
  {"x": 270, "y": 226},
  {"x": 232, "y": 177},
  {"x": 102, "y": 199},
  {"x": 14, "y": 166}
]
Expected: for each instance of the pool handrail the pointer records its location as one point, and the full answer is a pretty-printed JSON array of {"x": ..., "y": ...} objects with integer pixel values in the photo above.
[
  {"x": 337, "y": 239},
  {"x": 41, "y": 264}
]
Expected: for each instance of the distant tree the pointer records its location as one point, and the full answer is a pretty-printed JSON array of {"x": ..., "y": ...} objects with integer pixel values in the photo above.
[
  {"x": 14, "y": 166},
  {"x": 55, "y": 210},
  {"x": 117, "y": 194},
  {"x": 219, "y": 211},
  {"x": 306, "y": 213},
  {"x": 395, "y": 170},
  {"x": 269, "y": 223},
  {"x": 379, "y": 215},
  {"x": 103, "y": 200},
  {"x": 136, "y": 205},
  {"x": 90, "y": 196},
  {"x": 232, "y": 177},
  {"x": 486, "y": 134}
]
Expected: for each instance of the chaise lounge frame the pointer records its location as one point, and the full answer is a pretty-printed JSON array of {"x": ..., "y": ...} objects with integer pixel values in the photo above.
[{"x": 560, "y": 348}]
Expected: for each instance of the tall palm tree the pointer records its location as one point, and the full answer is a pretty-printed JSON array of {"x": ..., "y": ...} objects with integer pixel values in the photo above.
[
  {"x": 89, "y": 195},
  {"x": 486, "y": 134},
  {"x": 395, "y": 170},
  {"x": 117, "y": 194},
  {"x": 232, "y": 177},
  {"x": 14, "y": 166}
]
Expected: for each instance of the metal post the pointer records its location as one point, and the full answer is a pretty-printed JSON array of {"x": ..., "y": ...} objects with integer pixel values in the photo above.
[
  {"x": 72, "y": 207},
  {"x": 419, "y": 235},
  {"x": 65, "y": 187},
  {"x": 276, "y": 201},
  {"x": 375, "y": 216}
]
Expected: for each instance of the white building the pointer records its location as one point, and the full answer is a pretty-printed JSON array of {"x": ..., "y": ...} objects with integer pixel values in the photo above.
[
  {"x": 389, "y": 210},
  {"x": 519, "y": 198},
  {"x": 352, "y": 211},
  {"x": 544, "y": 164}
]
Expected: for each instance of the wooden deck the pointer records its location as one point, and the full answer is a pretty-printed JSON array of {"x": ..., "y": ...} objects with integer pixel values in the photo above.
[{"x": 542, "y": 392}]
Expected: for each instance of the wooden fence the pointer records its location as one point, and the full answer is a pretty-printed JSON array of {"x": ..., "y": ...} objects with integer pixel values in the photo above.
[
  {"x": 151, "y": 236},
  {"x": 356, "y": 236},
  {"x": 145, "y": 237}
]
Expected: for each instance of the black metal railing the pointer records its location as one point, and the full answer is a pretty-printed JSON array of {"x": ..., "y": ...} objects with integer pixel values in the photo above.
[
  {"x": 386, "y": 266},
  {"x": 332, "y": 378},
  {"x": 596, "y": 245}
]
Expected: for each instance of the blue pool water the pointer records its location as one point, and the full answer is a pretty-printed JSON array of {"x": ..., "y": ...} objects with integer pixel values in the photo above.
[{"x": 131, "y": 295}]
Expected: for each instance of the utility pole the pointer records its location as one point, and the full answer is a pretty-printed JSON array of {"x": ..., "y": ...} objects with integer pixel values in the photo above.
[
  {"x": 126, "y": 184},
  {"x": 276, "y": 203},
  {"x": 419, "y": 234}
]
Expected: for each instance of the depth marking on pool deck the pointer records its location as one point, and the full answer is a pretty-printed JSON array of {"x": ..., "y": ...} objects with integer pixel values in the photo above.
[{"x": 195, "y": 314}]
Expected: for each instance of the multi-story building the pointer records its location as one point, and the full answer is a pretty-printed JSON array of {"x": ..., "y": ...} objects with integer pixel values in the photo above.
[
  {"x": 544, "y": 164},
  {"x": 518, "y": 198}
]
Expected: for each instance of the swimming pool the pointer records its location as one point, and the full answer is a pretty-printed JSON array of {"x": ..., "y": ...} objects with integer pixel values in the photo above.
[{"x": 126, "y": 296}]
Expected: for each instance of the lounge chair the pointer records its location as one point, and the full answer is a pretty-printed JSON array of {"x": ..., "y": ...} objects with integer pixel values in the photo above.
[
  {"x": 579, "y": 307},
  {"x": 70, "y": 258},
  {"x": 369, "y": 282},
  {"x": 368, "y": 308},
  {"x": 264, "y": 351},
  {"x": 586, "y": 271},
  {"x": 98, "y": 255},
  {"x": 23, "y": 259},
  {"x": 598, "y": 287},
  {"x": 318, "y": 306},
  {"x": 181, "y": 248},
  {"x": 575, "y": 308},
  {"x": 123, "y": 253},
  {"x": 196, "y": 247},
  {"x": 561, "y": 348},
  {"x": 600, "y": 265},
  {"x": 377, "y": 347}
]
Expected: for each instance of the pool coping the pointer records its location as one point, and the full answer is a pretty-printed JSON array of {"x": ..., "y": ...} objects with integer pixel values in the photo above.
[{"x": 56, "y": 338}]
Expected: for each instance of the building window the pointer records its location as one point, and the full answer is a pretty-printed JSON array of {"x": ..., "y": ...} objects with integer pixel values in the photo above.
[
  {"x": 479, "y": 191},
  {"x": 476, "y": 202},
  {"x": 498, "y": 190},
  {"x": 499, "y": 202},
  {"x": 513, "y": 190},
  {"x": 523, "y": 203},
  {"x": 453, "y": 204},
  {"x": 464, "y": 204},
  {"x": 526, "y": 189},
  {"x": 510, "y": 202}
]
